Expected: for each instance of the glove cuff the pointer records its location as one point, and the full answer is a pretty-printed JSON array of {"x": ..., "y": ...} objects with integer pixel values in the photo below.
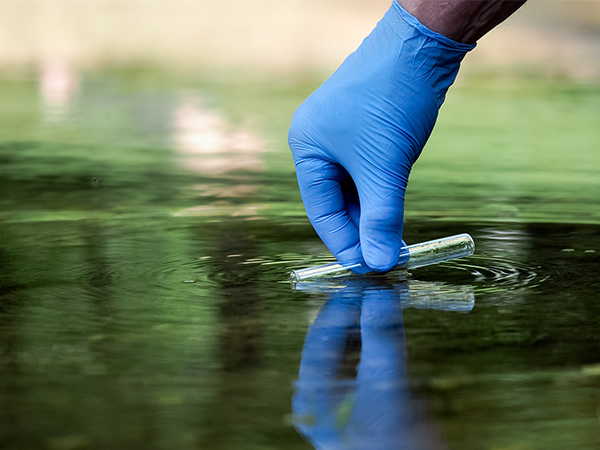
[{"x": 443, "y": 40}]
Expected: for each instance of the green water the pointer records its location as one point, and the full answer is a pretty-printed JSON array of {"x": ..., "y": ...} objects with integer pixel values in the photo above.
[{"x": 148, "y": 223}]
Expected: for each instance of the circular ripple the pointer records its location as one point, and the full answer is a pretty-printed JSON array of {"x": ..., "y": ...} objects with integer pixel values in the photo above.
[
  {"x": 232, "y": 270},
  {"x": 484, "y": 273},
  {"x": 493, "y": 274}
]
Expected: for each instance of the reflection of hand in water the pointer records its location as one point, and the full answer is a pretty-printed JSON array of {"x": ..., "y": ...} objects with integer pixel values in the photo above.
[{"x": 374, "y": 408}]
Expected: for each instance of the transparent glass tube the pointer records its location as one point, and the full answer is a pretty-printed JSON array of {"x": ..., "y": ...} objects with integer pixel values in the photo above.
[{"x": 420, "y": 255}]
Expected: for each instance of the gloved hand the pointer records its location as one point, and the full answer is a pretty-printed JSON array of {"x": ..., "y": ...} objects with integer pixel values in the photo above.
[{"x": 358, "y": 135}]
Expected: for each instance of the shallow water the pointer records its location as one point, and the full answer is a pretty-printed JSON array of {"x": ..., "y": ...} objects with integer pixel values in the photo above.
[{"x": 147, "y": 228}]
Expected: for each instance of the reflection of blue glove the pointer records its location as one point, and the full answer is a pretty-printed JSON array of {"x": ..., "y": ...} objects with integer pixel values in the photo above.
[
  {"x": 374, "y": 410},
  {"x": 359, "y": 134}
]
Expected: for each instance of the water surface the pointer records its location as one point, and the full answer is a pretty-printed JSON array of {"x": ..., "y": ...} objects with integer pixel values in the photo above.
[{"x": 147, "y": 227}]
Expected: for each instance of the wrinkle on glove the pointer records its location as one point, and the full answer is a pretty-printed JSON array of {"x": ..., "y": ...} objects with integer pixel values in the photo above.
[{"x": 362, "y": 131}]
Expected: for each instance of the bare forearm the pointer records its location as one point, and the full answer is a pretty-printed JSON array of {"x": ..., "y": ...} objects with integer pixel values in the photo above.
[{"x": 461, "y": 20}]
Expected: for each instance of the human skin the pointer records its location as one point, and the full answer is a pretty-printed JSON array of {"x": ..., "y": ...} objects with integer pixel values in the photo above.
[{"x": 463, "y": 21}]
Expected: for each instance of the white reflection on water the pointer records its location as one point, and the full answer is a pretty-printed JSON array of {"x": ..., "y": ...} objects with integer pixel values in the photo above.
[
  {"x": 58, "y": 84},
  {"x": 207, "y": 144},
  {"x": 353, "y": 390}
]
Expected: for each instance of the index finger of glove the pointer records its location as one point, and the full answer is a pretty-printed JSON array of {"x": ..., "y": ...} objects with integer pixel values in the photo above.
[{"x": 323, "y": 197}]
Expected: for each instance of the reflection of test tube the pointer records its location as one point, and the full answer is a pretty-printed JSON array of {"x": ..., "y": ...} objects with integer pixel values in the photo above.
[{"x": 419, "y": 255}]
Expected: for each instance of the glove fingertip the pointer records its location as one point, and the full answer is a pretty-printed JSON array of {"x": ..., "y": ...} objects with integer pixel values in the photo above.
[
  {"x": 380, "y": 256},
  {"x": 352, "y": 258}
]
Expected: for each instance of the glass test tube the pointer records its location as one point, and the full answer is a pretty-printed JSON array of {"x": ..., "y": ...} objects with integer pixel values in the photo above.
[{"x": 420, "y": 255}]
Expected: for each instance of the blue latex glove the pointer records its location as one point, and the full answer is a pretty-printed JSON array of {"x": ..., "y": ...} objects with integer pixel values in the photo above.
[{"x": 359, "y": 134}]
